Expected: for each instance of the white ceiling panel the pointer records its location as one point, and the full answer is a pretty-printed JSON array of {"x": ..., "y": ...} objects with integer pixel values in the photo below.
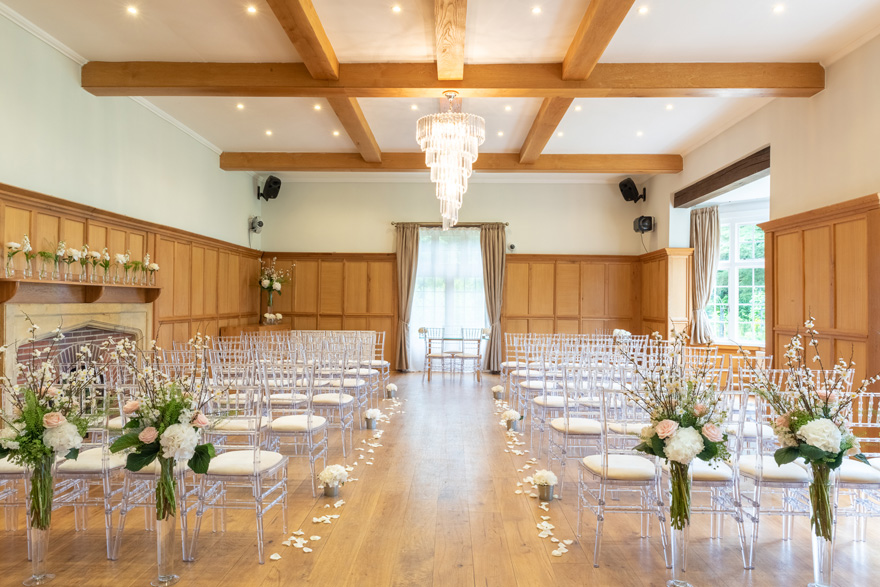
[
  {"x": 612, "y": 125},
  {"x": 294, "y": 122},
  {"x": 162, "y": 30},
  {"x": 393, "y": 120},
  {"x": 741, "y": 30}
]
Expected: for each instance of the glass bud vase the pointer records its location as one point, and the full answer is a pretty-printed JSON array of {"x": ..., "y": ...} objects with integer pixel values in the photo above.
[
  {"x": 39, "y": 519},
  {"x": 822, "y": 499},
  {"x": 680, "y": 477},
  {"x": 10, "y": 268},
  {"x": 28, "y": 269},
  {"x": 166, "y": 490}
]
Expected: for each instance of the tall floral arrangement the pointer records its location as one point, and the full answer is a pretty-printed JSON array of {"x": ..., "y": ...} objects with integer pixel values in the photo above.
[
  {"x": 271, "y": 278},
  {"x": 811, "y": 408},
  {"x": 165, "y": 419},
  {"x": 51, "y": 412},
  {"x": 684, "y": 404}
]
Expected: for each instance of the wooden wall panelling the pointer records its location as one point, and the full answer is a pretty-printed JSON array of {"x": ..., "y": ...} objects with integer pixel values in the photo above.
[
  {"x": 568, "y": 277},
  {"x": 818, "y": 297},
  {"x": 331, "y": 287},
  {"x": 666, "y": 286},
  {"x": 46, "y": 230},
  {"x": 789, "y": 279},
  {"x": 182, "y": 283},
  {"x": 197, "y": 300},
  {"x": 306, "y": 293},
  {"x": 851, "y": 275},
  {"x": 382, "y": 287},
  {"x": 592, "y": 290},
  {"x": 165, "y": 278},
  {"x": 16, "y": 223},
  {"x": 541, "y": 289},
  {"x": 212, "y": 283},
  {"x": 73, "y": 232},
  {"x": 515, "y": 299},
  {"x": 355, "y": 296}
]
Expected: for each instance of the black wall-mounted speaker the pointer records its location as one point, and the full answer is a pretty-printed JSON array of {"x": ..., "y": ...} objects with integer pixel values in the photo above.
[
  {"x": 643, "y": 224},
  {"x": 630, "y": 192},
  {"x": 270, "y": 188}
]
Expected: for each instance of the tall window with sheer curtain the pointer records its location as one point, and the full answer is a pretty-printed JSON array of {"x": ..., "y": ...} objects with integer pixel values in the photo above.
[{"x": 449, "y": 284}]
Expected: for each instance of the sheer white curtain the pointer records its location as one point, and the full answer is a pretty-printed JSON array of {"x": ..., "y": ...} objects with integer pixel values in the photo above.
[{"x": 449, "y": 285}]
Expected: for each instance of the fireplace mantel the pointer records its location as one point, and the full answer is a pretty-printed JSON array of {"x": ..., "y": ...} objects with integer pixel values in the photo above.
[{"x": 25, "y": 291}]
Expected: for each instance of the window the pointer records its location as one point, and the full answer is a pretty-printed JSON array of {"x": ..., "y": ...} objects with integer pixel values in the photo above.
[
  {"x": 736, "y": 307},
  {"x": 449, "y": 283}
]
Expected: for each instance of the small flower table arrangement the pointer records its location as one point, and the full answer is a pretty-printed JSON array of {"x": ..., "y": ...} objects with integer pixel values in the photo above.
[
  {"x": 332, "y": 477},
  {"x": 546, "y": 482},
  {"x": 51, "y": 422},
  {"x": 686, "y": 424},
  {"x": 511, "y": 418},
  {"x": 29, "y": 256},
  {"x": 271, "y": 319},
  {"x": 165, "y": 423},
  {"x": 390, "y": 391},
  {"x": 498, "y": 392},
  {"x": 12, "y": 249},
  {"x": 371, "y": 416},
  {"x": 811, "y": 424}
]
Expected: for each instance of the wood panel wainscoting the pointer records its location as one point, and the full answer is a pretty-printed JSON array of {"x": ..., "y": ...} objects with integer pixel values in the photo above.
[
  {"x": 574, "y": 294},
  {"x": 339, "y": 291},
  {"x": 205, "y": 283},
  {"x": 824, "y": 263}
]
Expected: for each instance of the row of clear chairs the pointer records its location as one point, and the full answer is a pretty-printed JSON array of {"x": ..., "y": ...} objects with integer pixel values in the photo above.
[{"x": 453, "y": 349}]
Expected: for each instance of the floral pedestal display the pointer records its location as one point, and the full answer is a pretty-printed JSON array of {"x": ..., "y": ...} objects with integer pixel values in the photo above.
[
  {"x": 271, "y": 279},
  {"x": 270, "y": 318},
  {"x": 822, "y": 524},
  {"x": 680, "y": 520},
  {"x": 332, "y": 477},
  {"x": 41, "y": 493}
]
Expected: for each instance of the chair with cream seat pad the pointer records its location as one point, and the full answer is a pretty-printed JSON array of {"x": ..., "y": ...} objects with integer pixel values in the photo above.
[{"x": 858, "y": 483}]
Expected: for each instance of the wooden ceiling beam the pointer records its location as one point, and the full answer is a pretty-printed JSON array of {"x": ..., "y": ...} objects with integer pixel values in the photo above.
[
  {"x": 491, "y": 162},
  {"x": 551, "y": 112},
  {"x": 449, "y": 22},
  {"x": 300, "y": 21},
  {"x": 350, "y": 115},
  {"x": 598, "y": 27},
  {"x": 419, "y": 80}
]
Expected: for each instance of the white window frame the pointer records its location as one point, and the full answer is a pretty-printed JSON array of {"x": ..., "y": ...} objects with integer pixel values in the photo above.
[{"x": 732, "y": 215}]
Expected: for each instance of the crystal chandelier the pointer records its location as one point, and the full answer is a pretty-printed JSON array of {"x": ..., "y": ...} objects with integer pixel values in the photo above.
[{"x": 450, "y": 141}]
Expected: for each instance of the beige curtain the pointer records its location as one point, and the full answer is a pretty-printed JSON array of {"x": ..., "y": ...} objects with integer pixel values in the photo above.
[
  {"x": 493, "y": 244},
  {"x": 705, "y": 240},
  {"x": 407, "y": 261}
]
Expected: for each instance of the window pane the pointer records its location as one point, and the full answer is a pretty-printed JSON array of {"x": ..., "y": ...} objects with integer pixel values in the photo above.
[
  {"x": 759, "y": 276},
  {"x": 721, "y": 277},
  {"x": 725, "y": 242},
  {"x": 745, "y": 277}
]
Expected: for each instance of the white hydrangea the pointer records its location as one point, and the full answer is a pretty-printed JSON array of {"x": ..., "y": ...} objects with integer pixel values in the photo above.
[
  {"x": 821, "y": 433},
  {"x": 333, "y": 475},
  {"x": 510, "y": 415},
  {"x": 544, "y": 477},
  {"x": 497, "y": 389},
  {"x": 63, "y": 438},
  {"x": 372, "y": 414},
  {"x": 683, "y": 446},
  {"x": 179, "y": 442},
  {"x": 7, "y": 438}
]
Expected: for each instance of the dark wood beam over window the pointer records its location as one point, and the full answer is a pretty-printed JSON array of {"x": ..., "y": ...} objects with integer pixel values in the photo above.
[{"x": 731, "y": 177}]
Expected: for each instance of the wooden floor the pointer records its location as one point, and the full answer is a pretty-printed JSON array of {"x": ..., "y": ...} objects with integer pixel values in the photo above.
[{"x": 437, "y": 508}]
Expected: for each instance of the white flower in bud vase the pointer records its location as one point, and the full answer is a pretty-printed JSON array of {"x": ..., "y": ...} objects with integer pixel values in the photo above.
[
  {"x": 391, "y": 387},
  {"x": 278, "y": 316},
  {"x": 511, "y": 415},
  {"x": 276, "y": 286},
  {"x": 105, "y": 254},
  {"x": 120, "y": 259},
  {"x": 147, "y": 260},
  {"x": 264, "y": 284},
  {"x": 333, "y": 475},
  {"x": 13, "y": 246},
  {"x": 372, "y": 414},
  {"x": 154, "y": 267},
  {"x": 487, "y": 331},
  {"x": 268, "y": 316},
  {"x": 497, "y": 389},
  {"x": 26, "y": 245},
  {"x": 544, "y": 477},
  {"x": 59, "y": 250}
]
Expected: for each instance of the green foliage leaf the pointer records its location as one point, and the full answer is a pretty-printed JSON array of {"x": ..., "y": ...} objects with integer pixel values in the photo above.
[
  {"x": 133, "y": 423},
  {"x": 786, "y": 455},
  {"x": 658, "y": 446},
  {"x": 4, "y": 452},
  {"x": 811, "y": 453},
  {"x": 202, "y": 458},
  {"x": 125, "y": 441},
  {"x": 72, "y": 455},
  {"x": 143, "y": 457},
  {"x": 834, "y": 461},
  {"x": 710, "y": 450},
  {"x": 862, "y": 458}
]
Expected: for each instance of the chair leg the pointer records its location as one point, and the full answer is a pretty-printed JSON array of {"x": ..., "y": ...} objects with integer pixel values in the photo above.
[
  {"x": 600, "y": 522},
  {"x": 199, "y": 512},
  {"x": 756, "y": 513},
  {"x": 258, "y": 503},
  {"x": 123, "y": 510}
]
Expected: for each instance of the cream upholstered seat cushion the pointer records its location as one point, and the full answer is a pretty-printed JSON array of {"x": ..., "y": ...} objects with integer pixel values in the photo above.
[
  {"x": 577, "y": 426},
  {"x": 362, "y": 372},
  {"x": 627, "y": 428},
  {"x": 856, "y": 472},
  {"x": 241, "y": 462},
  {"x": 288, "y": 398},
  {"x": 750, "y": 430},
  {"x": 348, "y": 382},
  {"x": 748, "y": 466},
  {"x": 549, "y": 401},
  {"x": 237, "y": 424},
  {"x": 115, "y": 423},
  {"x": 329, "y": 399},
  {"x": 376, "y": 363},
  {"x": 297, "y": 423},
  {"x": 468, "y": 356},
  {"x": 703, "y": 471},
  {"x": 527, "y": 373},
  {"x": 9, "y": 468},
  {"x": 509, "y": 364},
  {"x": 538, "y": 384},
  {"x": 622, "y": 467},
  {"x": 875, "y": 462},
  {"x": 154, "y": 468},
  {"x": 91, "y": 461}
]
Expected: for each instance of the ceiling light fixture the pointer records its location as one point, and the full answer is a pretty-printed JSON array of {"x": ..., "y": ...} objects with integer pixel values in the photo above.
[
  {"x": 639, "y": 133},
  {"x": 396, "y": 9},
  {"x": 240, "y": 106},
  {"x": 670, "y": 106},
  {"x": 335, "y": 133},
  {"x": 536, "y": 10},
  {"x": 577, "y": 108},
  {"x": 559, "y": 134},
  {"x": 643, "y": 9},
  {"x": 507, "y": 108},
  {"x": 414, "y": 107},
  {"x": 132, "y": 10},
  {"x": 317, "y": 106},
  {"x": 450, "y": 141},
  {"x": 252, "y": 9},
  {"x": 500, "y": 133},
  {"x": 779, "y": 9},
  {"x": 268, "y": 133}
]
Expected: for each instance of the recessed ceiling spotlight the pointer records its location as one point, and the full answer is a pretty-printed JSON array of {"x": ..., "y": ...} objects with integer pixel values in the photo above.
[
  {"x": 779, "y": 9},
  {"x": 643, "y": 9},
  {"x": 639, "y": 133},
  {"x": 670, "y": 106},
  {"x": 335, "y": 133},
  {"x": 500, "y": 133},
  {"x": 240, "y": 106},
  {"x": 252, "y": 9},
  {"x": 536, "y": 10},
  {"x": 559, "y": 134},
  {"x": 396, "y": 9},
  {"x": 317, "y": 106},
  {"x": 507, "y": 108},
  {"x": 414, "y": 107},
  {"x": 577, "y": 108},
  {"x": 268, "y": 133},
  {"x": 132, "y": 10}
]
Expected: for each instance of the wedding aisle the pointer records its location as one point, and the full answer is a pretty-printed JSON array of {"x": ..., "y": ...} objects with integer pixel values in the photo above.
[{"x": 437, "y": 507}]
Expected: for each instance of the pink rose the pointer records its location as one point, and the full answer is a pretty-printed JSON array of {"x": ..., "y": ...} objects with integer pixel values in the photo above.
[
  {"x": 200, "y": 421},
  {"x": 700, "y": 410},
  {"x": 783, "y": 421},
  {"x": 712, "y": 433},
  {"x": 53, "y": 391},
  {"x": 53, "y": 420},
  {"x": 826, "y": 396},
  {"x": 131, "y": 407},
  {"x": 148, "y": 435},
  {"x": 666, "y": 428}
]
